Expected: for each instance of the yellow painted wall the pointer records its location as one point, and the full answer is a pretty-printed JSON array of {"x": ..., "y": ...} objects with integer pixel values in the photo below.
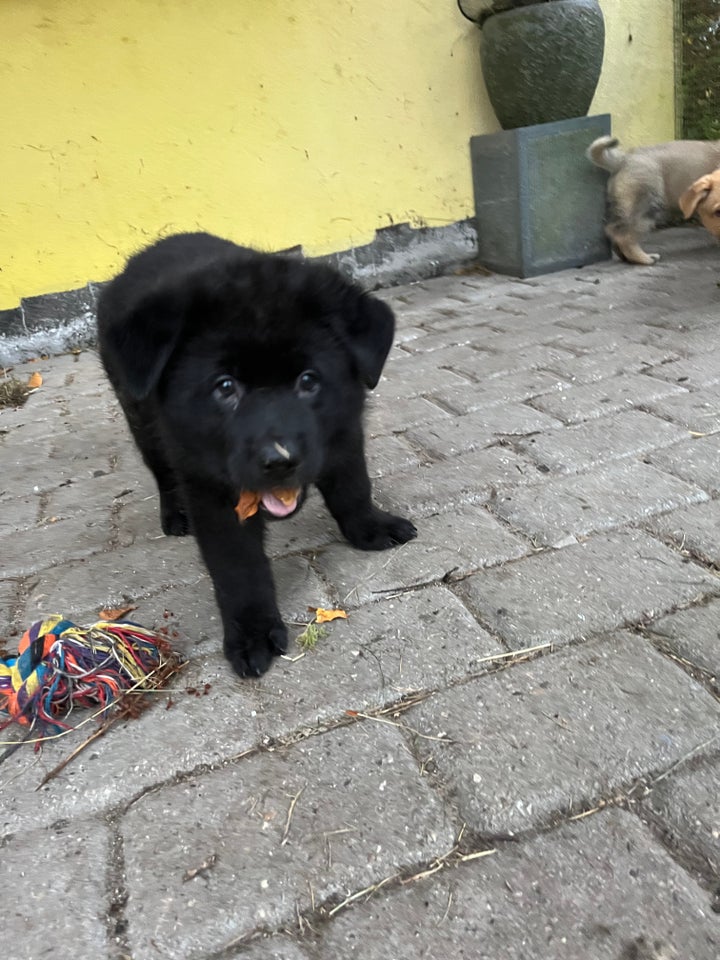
[{"x": 267, "y": 121}]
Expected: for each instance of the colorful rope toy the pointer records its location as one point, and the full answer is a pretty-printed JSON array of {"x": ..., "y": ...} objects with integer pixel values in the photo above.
[{"x": 61, "y": 666}]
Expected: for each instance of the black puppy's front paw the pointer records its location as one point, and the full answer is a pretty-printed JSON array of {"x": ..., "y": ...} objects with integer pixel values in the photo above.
[
  {"x": 252, "y": 646},
  {"x": 379, "y": 531},
  {"x": 173, "y": 519}
]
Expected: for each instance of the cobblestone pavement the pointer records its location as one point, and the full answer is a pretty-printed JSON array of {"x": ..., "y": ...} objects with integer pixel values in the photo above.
[{"x": 511, "y": 749}]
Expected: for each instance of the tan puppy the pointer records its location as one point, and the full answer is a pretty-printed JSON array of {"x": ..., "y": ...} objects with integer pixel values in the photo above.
[
  {"x": 703, "y": 197},
  {"x": 646, "y": 182}
]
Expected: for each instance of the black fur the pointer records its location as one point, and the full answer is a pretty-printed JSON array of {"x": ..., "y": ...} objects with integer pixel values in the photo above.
[{"x": 205, "y": 344}]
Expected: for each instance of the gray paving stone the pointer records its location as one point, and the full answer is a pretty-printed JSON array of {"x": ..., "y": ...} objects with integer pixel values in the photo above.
[
  {"x": 271, "y": 948},
  {"x": 702, "y": 370},
  {"x": 527, "y": 384},
  {"x": 696, "y": 459},
  {"x": 607, "y": 396},
  {"x": 473, "y": 431},
  {"x": 482, "y": 365},
  {"x": 686, "y": 807},
  {"x": 378, "y": 656},
  {"x": 448, "y": 545},
  {"x": 546, "y": 329},
  {"x": 465, "y": 332},
  {"x": 610, "y": 497},
  {"x": 388, "y": 418},
  {"x": 64, "y": 919},
  {"x": 20, "y": 426},
  {"x": 686, "y": 340},
  {"x": 89, "y": 452},
  {"x": 511, "y": 334},
  {"x": 18, "y": 513},
  {"x": 100, "y": 496},
  {"x": 52, "y": 544},
  {"x": 695, "y": 529},
  {"x": 635, "y": 358},
  {"x": 403, "y": 367},
  {"x": 80, "y": 588},
  {"x": 136, "y": 514},
  {"x": 469, "y": 478},
  {"x": 579, "y": 892},
  {"x": 409, "y": 379},
  {"x": 693, "y": 634},
  {"x": 299, "y": 587},
  {"x": 8, "y": 599},
  {"x": 22, "y": 474},
  {"x": 591, "y": 587},
  {"x": 625, "y": 434},
  {"x": 189, "y": 618},
  {"x": 596, "y": 337},
  {"x": 361, "y": 809},
  {"x": 405, "y": 332},
  {"x": 311, "y": 528},
  {"x": 390, "y": 454},
  {"x": 699, "y": 412},
  {"x": 196, "y": 731},
  {"x": 557, "y": 734}
]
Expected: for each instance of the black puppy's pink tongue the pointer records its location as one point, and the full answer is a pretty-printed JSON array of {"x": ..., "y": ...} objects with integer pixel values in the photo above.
[{"x": 279, "y": 507}]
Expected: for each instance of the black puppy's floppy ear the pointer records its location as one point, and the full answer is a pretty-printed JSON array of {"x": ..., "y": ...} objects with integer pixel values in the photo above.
[
  {"x": 370, "y": 331},
  {"x": 138, "y": 340}
]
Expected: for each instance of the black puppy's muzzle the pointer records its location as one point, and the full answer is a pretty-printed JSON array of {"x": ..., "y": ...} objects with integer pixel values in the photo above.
[{"x": 279, "y": 460}]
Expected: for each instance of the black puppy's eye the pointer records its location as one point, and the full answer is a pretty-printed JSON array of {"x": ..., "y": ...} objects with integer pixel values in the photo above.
[
  {"x": 227, "y": 388},
  {"x": 308, "y": 383}
]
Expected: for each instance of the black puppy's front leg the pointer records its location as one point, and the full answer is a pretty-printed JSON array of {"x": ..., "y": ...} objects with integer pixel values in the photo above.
[
  {"x": 173, "y": 516},
  {"x": 346, "y": 488},
  {"x": 234, "y": 555}
]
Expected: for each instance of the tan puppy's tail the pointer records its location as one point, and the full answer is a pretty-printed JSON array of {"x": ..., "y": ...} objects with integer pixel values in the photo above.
[{"x": 605, "y": 152}]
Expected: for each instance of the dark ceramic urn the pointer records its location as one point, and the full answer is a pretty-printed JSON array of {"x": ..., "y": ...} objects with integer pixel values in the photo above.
[{"x": 542, "y": 62}]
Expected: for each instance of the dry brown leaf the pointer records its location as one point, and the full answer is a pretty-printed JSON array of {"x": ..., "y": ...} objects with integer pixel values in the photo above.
[
  {"x": 35, "y": 381},
  {"x": 114, "y": 613},
  {"x": 286, "y": 496},
  {"x": 325, "y": 616},
  {"x": 247, "y": 505},
  {"x": 249, "y": 502}
]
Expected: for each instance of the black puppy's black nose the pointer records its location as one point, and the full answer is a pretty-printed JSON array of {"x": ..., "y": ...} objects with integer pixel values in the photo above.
[{"x": 279, "y": 457}]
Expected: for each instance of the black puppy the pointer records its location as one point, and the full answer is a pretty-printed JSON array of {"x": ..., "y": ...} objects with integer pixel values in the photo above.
[{"x": 244, "y": 373}]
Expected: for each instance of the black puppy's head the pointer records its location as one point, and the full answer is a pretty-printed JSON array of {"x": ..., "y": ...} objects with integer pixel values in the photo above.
[{"x": 255, "y": 364}]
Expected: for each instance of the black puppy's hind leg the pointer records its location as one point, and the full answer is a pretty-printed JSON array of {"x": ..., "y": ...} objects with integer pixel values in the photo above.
[{"x": 346, "y": 488}]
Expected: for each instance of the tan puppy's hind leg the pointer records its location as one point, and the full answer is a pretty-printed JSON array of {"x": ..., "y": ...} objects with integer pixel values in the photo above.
[{"x": 628, "y": 249}]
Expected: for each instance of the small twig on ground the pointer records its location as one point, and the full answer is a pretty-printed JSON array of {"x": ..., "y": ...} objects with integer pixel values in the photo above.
[
  {"x": 403, "y": 726},
  {"x": 202, "y": 870},
  {"x": 290, "y": 812},
  {"x": 71, "y": 756},
  {"x": 447, "y": 910}
]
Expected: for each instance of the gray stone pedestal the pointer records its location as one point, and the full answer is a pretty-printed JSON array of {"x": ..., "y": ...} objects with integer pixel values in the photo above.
[{"x": 539, "y": 202}]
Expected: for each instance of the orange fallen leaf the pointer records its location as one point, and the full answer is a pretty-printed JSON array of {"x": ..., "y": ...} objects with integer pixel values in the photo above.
[
  {"x": 286, "y": 496},
  {"x": 325, "y": 616},
  {"x": 114, "y": 613},
  {"x": 35, "y": 381},
  {"x": 247, "y": 504}
]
